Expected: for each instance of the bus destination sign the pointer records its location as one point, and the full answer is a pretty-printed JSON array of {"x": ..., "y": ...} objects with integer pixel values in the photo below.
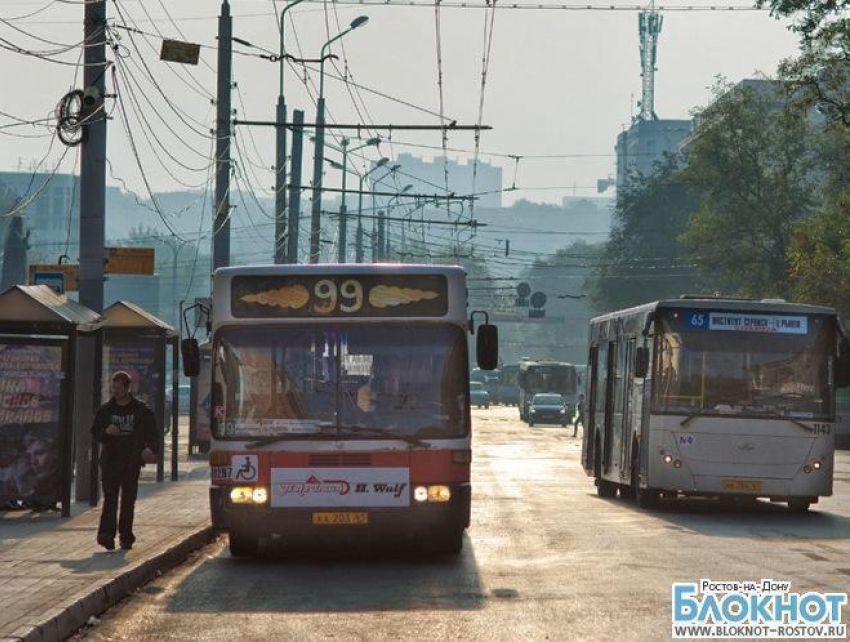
[{"x": 338, "y": 295}]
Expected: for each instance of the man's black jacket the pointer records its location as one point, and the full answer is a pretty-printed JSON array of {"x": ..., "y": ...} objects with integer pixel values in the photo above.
[{"x": 139, "y": 432}]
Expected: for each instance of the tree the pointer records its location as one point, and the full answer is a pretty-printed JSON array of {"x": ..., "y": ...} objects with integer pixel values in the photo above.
[
  {"x": 752, "y": 161},
  {"x": 819, "y": 257},
  {"x": 819, "y": 75},
  {"x": 643, "y": 259}
]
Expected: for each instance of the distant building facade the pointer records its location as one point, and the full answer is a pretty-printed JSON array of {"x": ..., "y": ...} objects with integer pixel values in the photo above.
[
  {"x": 428, "y": 177},
  {"x": 646, "y": 142},
  {"x": 52, "y": 215}
]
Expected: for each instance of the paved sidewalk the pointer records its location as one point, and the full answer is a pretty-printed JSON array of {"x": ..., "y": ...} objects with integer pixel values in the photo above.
[{"x": 53, "y": 576}]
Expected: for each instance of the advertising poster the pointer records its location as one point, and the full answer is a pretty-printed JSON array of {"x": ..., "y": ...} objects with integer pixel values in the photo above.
[
  {"x": 202, "y": 412},
  {"x": 138, "y": 359},
  {"x": 30, "y": 424}
]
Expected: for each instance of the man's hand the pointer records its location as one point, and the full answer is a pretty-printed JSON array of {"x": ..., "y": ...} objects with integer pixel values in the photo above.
[
  {"x": 148, "y": 456},
  {"x": 113, "y": 430}
]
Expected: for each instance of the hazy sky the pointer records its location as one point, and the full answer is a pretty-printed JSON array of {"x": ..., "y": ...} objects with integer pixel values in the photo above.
[{"x": 559, "y": 82}]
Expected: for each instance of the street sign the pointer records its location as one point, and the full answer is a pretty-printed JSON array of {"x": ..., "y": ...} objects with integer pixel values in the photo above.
[
  {"x": 50, "y": 273},
  {"x": 54, "y": 280},
  {"x": 185, "y": 53},
  {"x": 129, "y": 260}
]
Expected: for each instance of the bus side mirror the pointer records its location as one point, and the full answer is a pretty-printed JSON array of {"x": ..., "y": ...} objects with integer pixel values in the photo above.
[
  {"x": 191, "y": 357},
  {"x": 487, "y": 346},
  {"x": 641, "y": 362}
]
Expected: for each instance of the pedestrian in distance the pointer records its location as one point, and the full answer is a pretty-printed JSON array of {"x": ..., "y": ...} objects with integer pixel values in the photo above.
[
  {"x": 579, "y": 418},
  {"x": 126, "y": 429}
]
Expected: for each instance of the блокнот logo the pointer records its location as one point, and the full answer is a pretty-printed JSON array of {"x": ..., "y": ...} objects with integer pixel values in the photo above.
[{"x": 753, "y": 610}]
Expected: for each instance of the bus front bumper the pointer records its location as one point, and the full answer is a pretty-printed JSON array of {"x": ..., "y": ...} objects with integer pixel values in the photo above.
[{"x": 297, "y": 524}]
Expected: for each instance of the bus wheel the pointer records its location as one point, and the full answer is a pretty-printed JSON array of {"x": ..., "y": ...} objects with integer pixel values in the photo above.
[
  {"x": 645, "y": 498},
  {"x": 242, "y": 546},
  {"x": 799, "y": 505}
]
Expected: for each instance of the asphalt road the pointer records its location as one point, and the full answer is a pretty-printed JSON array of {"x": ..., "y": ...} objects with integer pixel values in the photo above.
[{"x": 545, "y": 560}]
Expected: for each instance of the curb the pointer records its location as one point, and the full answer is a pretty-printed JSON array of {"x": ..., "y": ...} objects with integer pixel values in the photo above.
[{"x": 65, "y": 620}]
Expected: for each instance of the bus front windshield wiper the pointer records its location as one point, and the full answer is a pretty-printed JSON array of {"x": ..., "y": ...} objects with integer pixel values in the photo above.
[{"x": 384, "y": 432}]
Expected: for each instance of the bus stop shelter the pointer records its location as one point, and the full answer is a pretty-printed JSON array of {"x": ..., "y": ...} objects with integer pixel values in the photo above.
[
  {"x": 136, "y": 342},
  {"x": 40, "y": 334}
]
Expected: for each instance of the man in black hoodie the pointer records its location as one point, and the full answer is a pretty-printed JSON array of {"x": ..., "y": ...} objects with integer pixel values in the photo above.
[{"x": 126, "y": 429}]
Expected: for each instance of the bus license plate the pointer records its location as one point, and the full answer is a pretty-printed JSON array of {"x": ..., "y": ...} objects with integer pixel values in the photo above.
[
  {"x": 340, "y": 519},
  {"x": 749, "y": 485}
]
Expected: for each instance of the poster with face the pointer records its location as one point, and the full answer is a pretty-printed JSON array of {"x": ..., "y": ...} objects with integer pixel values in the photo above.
[
  {"x": 30, "y": 428},
  {"x": 138, "y": 359}
]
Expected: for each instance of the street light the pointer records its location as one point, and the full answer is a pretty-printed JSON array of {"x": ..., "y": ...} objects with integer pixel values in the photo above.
[
  {"x": 280, "y": 153},
  {"x": 378, "y": 250},
  {"x": 319, "y": 147},
  {"x": 343, "y": 211},
  {"x": 403, "y": 190},
  {"x": 358, "y": 252}
]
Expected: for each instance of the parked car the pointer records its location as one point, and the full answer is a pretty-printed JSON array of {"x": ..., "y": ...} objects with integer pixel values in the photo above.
[
  {"x": 548, "y": 408},
  {"x": 478, "y": 395},
  {"x": 184, "y": 390}
]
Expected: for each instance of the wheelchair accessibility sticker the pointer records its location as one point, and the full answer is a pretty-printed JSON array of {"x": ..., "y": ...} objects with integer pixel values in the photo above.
[{"x": 244, "y": 467}]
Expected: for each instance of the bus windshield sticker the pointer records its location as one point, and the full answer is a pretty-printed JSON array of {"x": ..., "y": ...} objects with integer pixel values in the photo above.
[
  {"x": 363, "y": 295},
  {"x": 273, "y": 427}
]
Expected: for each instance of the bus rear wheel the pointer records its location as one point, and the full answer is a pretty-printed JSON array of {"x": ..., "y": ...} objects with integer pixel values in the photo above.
[
  {"x": 799, "y": 505},
  {"x": 242, "y": 545},
  {"x": 645, "y": 498}
]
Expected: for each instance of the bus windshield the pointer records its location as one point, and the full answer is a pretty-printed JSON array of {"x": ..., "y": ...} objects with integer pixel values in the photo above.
[
  {"x": 550, "y": 378},
  {"x": 709, "y": 364},
  {"x": 332, "y": 380}
]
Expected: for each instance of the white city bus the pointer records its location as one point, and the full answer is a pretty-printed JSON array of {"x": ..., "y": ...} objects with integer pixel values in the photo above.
[
  {"x": 714, "y": 397},
  {"x": 340, "y": 404}
]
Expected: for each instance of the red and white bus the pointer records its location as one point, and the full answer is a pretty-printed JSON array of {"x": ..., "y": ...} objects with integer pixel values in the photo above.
[{"x": 340, "y": 404}]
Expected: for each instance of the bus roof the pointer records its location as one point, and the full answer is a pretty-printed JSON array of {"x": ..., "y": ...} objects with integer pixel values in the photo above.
[
  {"x": 254, "y": 294},
  {"x": 765, "y": 305}
]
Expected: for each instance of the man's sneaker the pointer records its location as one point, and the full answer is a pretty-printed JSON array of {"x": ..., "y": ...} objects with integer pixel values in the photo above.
[{"x": 108, "y": 544}]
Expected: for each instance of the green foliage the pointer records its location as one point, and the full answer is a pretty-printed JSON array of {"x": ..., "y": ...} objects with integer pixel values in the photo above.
[
  {"x": 819, "y": 257},
  {"x": 643, "y": 259},
  {"x": 753, "y": 163},
  {"x": 811, "y": 17}
]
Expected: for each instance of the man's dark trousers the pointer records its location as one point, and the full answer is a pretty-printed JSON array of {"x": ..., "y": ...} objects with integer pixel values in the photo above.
[{"x": 115, "y": 478}]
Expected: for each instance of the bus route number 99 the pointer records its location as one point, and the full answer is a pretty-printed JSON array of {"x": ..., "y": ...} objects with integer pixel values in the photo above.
[{"x": 328, "y": 297}]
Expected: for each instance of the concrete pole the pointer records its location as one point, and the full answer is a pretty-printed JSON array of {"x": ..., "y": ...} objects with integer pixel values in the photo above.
[
  {"x": 221, "y": 224},
  {"x": 92, "y": 233},
  {"x": 343, "y": 211},
  {"x": 295, "y": 186},
  {"x": 316, "y": 202}
]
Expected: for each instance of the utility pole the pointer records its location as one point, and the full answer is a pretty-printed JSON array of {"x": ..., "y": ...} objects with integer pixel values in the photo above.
[
  {"x": 295, "y": 187},
  {"x": 343, "y": 226},
  {"x": 93, "y": 160},
  {"x": 92, "y": 232},
  {"x": 316, "y": 201},
  {"x": 221, "y": 223},
  {"x": 381, "y": 232}
]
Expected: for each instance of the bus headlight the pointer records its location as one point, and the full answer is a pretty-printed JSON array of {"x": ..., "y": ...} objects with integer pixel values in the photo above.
[
  {"x": 439, "y": 494},
  {"x": 241, "y": 495},
  {"x": 667, "y": 458},
  {"x": 249, "y": 495},
  {"x": 817, "y": 464}
]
